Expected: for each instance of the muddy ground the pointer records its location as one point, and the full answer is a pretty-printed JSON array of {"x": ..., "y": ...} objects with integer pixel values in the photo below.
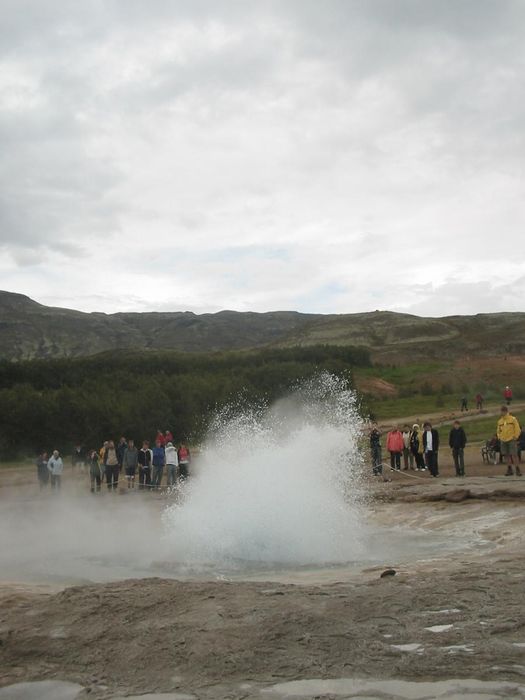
[{"x": 458, "y": 614}]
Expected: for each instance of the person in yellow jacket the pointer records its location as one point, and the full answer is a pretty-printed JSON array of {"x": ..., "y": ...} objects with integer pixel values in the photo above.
[{"x": 508, "y": 433}]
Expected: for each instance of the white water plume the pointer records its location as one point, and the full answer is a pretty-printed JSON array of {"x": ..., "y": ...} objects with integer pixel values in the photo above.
[{"x": 278, "y": 484}]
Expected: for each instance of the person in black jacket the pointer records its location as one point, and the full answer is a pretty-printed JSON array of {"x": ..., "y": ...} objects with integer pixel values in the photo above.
[
  {"x": 430, "y": 448},
  {"x": 457, "y": 441}
]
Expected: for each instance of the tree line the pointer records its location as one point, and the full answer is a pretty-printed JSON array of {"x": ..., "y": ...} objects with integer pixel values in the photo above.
[{"x": 56, "y": 403}]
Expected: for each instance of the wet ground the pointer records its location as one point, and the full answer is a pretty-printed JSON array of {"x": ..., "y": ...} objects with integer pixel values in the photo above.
[{"x": 448, "y": 624}]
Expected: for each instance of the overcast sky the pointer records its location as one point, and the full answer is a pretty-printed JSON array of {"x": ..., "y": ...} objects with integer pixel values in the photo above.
[{"x": 327, "y": 156}]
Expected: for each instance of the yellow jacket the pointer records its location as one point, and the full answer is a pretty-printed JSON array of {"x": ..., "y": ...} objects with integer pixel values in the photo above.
[{"x": 508, "y": 428}]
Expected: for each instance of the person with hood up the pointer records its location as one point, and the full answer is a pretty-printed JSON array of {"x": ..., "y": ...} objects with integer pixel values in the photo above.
[
  {"x": 55, "y": 466},
  {"x": 395, "y": 444},
  {"x": 172, "y": 463}
]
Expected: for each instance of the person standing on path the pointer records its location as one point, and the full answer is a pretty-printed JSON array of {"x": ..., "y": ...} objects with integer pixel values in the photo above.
[
  {"x": 111, "y": 466},
  {"x": 184, "y": 462},
  {"x": 42, "y": 470},
  {"x": 145, "y": 457},
  {"x": 507, "y": 395},
  {"x": 172, "y": 463},
  {"x": 408, "y": 457},
  {"x": 508, "y": 433},
  {"x": 464, "y": 404},
  {"x": 395, "y": 444},
  {"x": 457, "y": 441},
  {"x": 430, "y": 448},
  {"x": 130, "y": 462},
  {"x": 479, "y": 402},
  {"x": 158, "y": 461},
  {"x": 55, "y": 466},
  {"x": 94, "y": 471},
  {"x": 375, "y": 450},
  {"x": 416, "y": 447}
]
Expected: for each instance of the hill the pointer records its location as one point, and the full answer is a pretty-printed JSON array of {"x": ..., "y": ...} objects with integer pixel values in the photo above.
[{"x": 29, "y": 330}]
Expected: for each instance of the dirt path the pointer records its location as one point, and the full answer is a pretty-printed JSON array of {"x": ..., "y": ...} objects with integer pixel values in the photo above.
[{"x": 439, "y": 418}]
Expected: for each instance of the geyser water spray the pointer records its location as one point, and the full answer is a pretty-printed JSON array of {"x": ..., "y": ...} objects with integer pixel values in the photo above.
[{"x": 276, "y": 484}]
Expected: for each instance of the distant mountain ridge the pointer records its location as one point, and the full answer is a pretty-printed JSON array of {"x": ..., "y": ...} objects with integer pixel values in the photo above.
[{"x": 30, "y": 330}]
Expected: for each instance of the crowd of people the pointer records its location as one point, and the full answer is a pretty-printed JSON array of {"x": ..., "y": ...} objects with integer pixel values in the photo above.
[
  {"x": 418, "y": 447},
  {"x": 145, "y": 466}
]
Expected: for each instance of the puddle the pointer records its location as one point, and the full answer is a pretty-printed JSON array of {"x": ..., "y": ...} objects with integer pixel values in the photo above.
[
  {"x": 78, "y": 551},
  {"x": 409, "y": 647},
  {"x": 455, "y": 648},
  {"x": 439, "y": 628},
  {"x": 397, "y": 690},
  {"x": 41, "y": 690}
]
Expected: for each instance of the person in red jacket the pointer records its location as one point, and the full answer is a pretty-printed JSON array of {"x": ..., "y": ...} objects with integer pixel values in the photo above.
[
  {"x": 159, "y": 437},
  {"x": 395, "y": 444},
  {"x": 507, "y": 395}
]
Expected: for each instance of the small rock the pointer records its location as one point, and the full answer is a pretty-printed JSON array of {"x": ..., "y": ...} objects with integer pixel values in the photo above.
[{"x": 388, "y": 572}]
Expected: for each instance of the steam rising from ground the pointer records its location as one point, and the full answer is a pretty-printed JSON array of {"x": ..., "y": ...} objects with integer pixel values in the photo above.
[{"x": 276, "y": 484}]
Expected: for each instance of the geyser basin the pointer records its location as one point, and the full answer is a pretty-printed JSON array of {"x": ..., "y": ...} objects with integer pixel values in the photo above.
[
  {"x": 277, "y": 485},
  {"x": 277, "y": 494}
]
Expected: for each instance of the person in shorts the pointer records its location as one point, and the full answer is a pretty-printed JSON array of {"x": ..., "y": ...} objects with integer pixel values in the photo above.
[{"x": 508, "y": 433}]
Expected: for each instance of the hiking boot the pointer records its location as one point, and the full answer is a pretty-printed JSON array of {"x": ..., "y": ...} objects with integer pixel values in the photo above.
[{"x": 509, "y": 472}]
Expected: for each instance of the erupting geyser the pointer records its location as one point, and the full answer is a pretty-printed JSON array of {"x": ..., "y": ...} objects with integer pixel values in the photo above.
[{"x": 278, "y": 484}]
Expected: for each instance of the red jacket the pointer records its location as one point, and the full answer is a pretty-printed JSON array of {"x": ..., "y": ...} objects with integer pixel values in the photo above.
[{"x": 394, "y": 441}]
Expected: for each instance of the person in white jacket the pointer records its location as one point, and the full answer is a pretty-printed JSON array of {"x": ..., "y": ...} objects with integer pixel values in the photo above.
[
  {"x": 56, "y": 467},
  {"x": 172, "y": 462}
]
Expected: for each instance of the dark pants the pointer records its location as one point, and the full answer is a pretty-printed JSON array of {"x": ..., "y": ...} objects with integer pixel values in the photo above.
[
  {"x": 183, "y": 471},
  {"x": 395, "y": 460},
  {"x": 172, "y": 474},
  {"x": 459, "y": 462},
  {"x": 432, "y": 462},
  {"x": 95, "y": 481},
  {"x": 377, "y": 465},
  {"x": 55, "y": 481},
  {"x": 112, "y": 472},
  {"x": 420, "y": 462},
  {"x": 157, "y": 476},
  {"x": 144, "y": 477}
]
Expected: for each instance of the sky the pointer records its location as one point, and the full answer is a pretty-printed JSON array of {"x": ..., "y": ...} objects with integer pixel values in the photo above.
[{"x": 324, "y": 156}]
